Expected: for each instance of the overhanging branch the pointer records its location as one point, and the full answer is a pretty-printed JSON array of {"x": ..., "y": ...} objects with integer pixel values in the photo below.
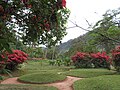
[{"x": 76, "y": 25}]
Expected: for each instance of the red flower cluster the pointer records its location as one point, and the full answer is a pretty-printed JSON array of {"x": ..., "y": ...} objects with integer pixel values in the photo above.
[
  {"x": 99, "y": 55},
  {"x": 96, "y": 60},
  {"x": 116, "y": 51},
  {"x": 116, "y": 58},
  {"x": 63, "y": 3},
  {"x": 17, "y": 56},
  {"x": 78, "y": 55}
]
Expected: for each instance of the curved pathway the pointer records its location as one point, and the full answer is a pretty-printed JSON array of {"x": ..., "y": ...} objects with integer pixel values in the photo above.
[{"x": 63, "y": 85}]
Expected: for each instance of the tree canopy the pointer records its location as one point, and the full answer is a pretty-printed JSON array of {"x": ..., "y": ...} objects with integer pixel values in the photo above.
[{"x": 32, "y": 21}]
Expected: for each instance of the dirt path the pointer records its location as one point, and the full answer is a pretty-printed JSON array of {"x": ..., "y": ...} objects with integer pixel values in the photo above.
[
  {"x": 11, "y": 81},
  {"x": 63, "y": 85},
  {"x": 66, "y": 84}
]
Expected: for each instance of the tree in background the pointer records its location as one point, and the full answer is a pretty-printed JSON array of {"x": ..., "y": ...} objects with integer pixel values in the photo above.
[
  {"x": 107, "y": 30},
  {"x": 34, "y": 52}
]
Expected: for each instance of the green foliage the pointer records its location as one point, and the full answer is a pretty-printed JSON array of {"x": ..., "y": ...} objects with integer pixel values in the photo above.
[
  {"x": 6, "y": 71},
  {"x": 34, "y": 52},
  {"x": 106, "y": 32},
  {"x": 52, "y": 62},
  {"x": 59, "y": 62},
  {"x": 66, "y": 61},
  {"x": 17, "y": 45},
  {"x": 1, "y": 78},
  {"x": 42, "y": 78},
  {"x": 108, "y": 82}
]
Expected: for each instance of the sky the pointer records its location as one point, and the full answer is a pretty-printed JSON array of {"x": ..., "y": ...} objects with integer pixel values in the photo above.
[{"x": 90, "y": 10}]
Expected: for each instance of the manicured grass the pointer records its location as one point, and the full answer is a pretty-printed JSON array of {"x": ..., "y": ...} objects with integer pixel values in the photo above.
[
  {"x": 106, "y": 82},
  {"x": 41, "y": 66},
  {"x": 25, "y": 87},
  {"x": 42, "y": 77},
  {"x": 86, "y": 73}
]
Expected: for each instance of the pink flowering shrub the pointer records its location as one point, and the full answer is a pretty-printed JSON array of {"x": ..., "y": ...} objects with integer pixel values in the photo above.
[
  {"x": 96, "y": 60},
  {"x": 13, "y": 59},
  {"x": 116, "y": 58},
  {"x": 100, "y": 60},
  {"x": 80, "y": 60}
]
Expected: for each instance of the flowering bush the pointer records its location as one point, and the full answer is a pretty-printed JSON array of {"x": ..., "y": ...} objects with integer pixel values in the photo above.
[
  {"x": 96, "y": 60},
  {"x": 116, "y": 58},
  {"x": 81, "y": 60},
  {"x": 13, "y": 59},
  {"x": 100, "y": 60}
]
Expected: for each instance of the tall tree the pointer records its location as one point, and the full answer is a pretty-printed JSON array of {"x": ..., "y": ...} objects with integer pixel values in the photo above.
[{"x": 33, "y": 21}]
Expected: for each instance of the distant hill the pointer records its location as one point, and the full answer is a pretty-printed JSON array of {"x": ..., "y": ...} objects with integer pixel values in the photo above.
[
  {"x": 73, "y": 43},
  {"x": 63, "y": 47}
]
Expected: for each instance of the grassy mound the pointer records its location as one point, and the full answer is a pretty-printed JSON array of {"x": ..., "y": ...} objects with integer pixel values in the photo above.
[
  {"x": 25, "y": 87},
  {"x": 106, "y": 82},
  {"x": 42, "y": 78},
  {"x": 86, "y": 73}
]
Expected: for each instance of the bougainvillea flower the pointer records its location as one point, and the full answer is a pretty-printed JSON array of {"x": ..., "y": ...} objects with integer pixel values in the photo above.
[
  {"x": 17, "y": 56},
  {"x": 100, "y": 56},
  {"x": 63, "y": 3}
]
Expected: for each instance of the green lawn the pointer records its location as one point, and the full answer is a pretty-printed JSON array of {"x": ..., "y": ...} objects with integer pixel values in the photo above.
[
  {"x": 87, "y": 73},
  {"x": 106, "y": 82},
  {"x": 41, "y": 66},
  {"x": 25, "y": 87},
  {"x": 42, "y": 78},
  {"x": 40, "y": 71}
]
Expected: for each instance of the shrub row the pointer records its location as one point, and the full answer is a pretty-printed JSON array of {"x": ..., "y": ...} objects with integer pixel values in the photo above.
[{"x": 97, "y": 60}]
